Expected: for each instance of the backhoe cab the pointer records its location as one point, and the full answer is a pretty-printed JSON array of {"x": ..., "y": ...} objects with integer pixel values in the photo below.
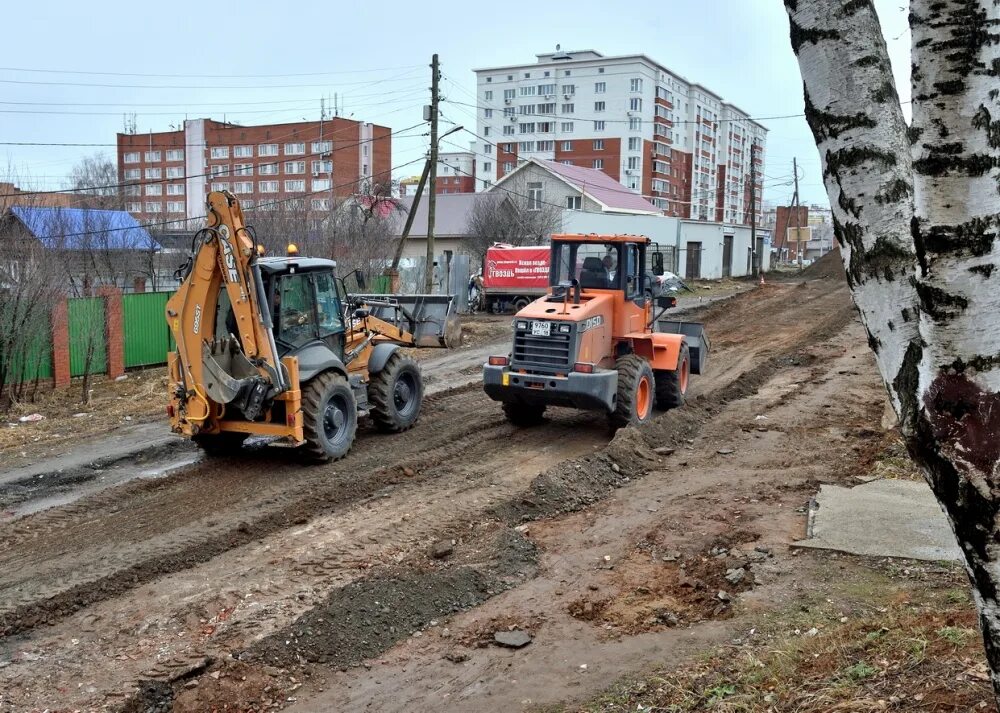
[
  {"x": 596, "y": 341},
  {"x": 276, "y": 347}
]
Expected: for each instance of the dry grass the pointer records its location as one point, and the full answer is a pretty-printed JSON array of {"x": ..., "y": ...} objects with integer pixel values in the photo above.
[
  {"x": 918, "y": 651},
  {"x": 143, "y": 395}
]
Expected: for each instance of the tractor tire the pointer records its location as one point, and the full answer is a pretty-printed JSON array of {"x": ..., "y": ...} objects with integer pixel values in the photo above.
[
  {"x": 329, "y": 417},
  {"x": 671, "y": 384},
  {"x": 522, "y": 414},
  {"x": 396, "y": 394},
  {"x": 634, "y": 402},
  {"x": 220, "y": 445}
]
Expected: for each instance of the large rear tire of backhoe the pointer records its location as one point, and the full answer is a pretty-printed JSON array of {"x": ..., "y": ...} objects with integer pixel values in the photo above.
[
  {"x": 634, "y": 402},
  {"x": 522, "y": 414},
  {"x": 396, "y": 394},
  {"x": 672, "y": 384},
  {"x": 329, "y": 417},
  {"x": 220, "y": 445}
]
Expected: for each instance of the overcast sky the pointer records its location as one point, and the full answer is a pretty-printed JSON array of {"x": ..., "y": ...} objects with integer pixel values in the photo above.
[{"x": 374, "y": 57}]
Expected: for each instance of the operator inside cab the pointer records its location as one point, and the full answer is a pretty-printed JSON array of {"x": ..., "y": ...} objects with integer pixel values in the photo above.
[{"x": 601, "y": 266}]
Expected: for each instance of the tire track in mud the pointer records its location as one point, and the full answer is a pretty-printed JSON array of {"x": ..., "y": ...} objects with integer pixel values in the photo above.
[{"x": 45, "y": 579}]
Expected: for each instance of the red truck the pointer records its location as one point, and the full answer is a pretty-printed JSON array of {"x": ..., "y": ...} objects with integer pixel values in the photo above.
[{"x": 514, "y": 277}]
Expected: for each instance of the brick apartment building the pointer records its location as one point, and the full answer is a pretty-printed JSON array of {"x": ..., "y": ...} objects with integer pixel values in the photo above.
[
  {"x": 456, "y": 172},
  {"x": 171, "y": 172},
  {"x": 785, "y": 218},
  {"x": 676, "y": 142}
]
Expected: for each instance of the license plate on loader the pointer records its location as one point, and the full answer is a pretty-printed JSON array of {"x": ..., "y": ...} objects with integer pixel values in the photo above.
[{"x": 541, "y": 329}]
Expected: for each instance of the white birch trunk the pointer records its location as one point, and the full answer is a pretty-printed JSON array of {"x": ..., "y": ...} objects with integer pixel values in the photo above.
[{"x": 927, "y": 250}]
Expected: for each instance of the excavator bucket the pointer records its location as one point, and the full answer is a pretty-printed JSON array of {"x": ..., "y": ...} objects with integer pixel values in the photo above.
[
  {"x": 697, "y": 340},
  {"x": 431, "y": 319}
]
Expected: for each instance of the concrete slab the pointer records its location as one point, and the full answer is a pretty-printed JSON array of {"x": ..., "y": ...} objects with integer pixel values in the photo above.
[{"x": 884, "y": 518}]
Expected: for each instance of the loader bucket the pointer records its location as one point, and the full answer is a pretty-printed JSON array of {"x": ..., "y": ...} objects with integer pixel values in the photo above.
[
  {"x": 431, "y": 319},
  {"x": 697, "y": 340}
]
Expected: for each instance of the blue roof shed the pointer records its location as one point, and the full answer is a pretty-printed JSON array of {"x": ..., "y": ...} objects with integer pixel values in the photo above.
[{"x": 84, "y": 228}]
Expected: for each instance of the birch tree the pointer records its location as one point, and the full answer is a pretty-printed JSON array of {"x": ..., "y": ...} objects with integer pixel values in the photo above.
[{"x": 916, "y": 211}]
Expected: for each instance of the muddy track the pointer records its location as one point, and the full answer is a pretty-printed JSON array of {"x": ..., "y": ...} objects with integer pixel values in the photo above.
[{"x": 59, "y": 561}]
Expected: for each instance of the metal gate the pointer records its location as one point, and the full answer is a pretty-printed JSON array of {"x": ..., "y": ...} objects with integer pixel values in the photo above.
[
  {"x": 692, "y": 270},
  {"x": 727, "y": 256},
  {"x": 87, "y": 340},
  {"x": 147, "y": 336}
]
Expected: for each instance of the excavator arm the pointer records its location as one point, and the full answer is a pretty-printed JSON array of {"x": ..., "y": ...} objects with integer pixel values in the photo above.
[{"x": 215, "y": 368}]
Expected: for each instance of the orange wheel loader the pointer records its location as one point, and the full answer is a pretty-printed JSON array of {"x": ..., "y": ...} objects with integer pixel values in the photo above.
[{"x": 596, "y": 341}]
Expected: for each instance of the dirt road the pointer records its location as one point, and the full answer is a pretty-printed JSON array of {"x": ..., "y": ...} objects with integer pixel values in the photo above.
[{"x": 237, "y": 581}]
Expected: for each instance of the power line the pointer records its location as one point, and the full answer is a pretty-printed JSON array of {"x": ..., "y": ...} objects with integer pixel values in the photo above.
[
  {"x": 300, "y": 157},
  {"x": 205, "y": 76},
  {"x": 175, "y": 221}
]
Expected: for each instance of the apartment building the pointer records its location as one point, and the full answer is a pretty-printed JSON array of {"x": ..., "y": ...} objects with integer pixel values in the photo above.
[
  {"x": 456, "y": 172},
  {"x": 301, "y": 164},
  {"x": 679, "y": 144}
]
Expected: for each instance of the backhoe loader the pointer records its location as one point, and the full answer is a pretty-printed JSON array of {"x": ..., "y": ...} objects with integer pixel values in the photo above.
[{"x": 276, "y": 347}]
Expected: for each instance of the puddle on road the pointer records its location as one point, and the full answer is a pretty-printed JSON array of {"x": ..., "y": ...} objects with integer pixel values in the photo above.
[{"x": 57, "y": 488}]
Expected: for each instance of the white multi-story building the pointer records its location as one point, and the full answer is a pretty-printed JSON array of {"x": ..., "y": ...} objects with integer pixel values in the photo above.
[
  {"x": 455, "y": 172},
  {"x": 677, "y": 143}
]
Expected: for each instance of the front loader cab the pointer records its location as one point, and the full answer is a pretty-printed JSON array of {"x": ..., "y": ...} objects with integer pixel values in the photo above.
[{"x": 601, "y": 263}]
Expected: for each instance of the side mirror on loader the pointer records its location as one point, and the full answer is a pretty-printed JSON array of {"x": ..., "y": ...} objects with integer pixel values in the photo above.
[{"x": 666, "y": 301}]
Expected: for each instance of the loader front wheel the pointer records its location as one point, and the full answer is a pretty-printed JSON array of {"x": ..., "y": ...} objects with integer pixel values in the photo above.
[
  {"x": 634, "y": 402},
  {"x": 329, "y": 417},
  {"x": 671, "y": 384},
  {"x": 396, "y": 394},
  {"x": 220, "y": 445},
  {"x": 522, "y": 414}
]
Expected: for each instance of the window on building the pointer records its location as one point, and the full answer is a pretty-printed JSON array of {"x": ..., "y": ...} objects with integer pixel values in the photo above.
[
  {"x": 600, "y": 87},
  {"x": 320, "y": 203},
  {"x": 243, "y": 187},
  {"x": 527, "y": 75},
  {"x": 566, "y": 162},
  {"x": 321, "y": 146},
  {"x": 508, "y": 166},
  {"x": 534, "y": 196},
  {"x": 220, "y": 186},
  {"x": 175, "y": 189},
  {"x": 599, "y": 106},
  {"x": 131, "y": 157},
  {"x": 568, "y": 108},
  {"x": 567, "y": 145},
  {"x": 526, "y": 109},
  {"x": 545, "y": 146},
  {"x": 574, "y": 202},
  {"x": 598, "y": 126},
  {"x": 488, "y": 94},
  {"x": 635, "y": 85},
  {"x": 175, "y": 172},
  {"x": 488, "y": 149},
  {"x": 635, "y": 104},
  {"x": 321, "y": 184},
  {"x": 487, "y": 166},
  {"x": 324, "y": 166},
  {"x": 267, "y": 150},
  {"x": 297, "y": 186},
  {"x": 486, "y": 131},
  {"x": 567, "y": 127},
  {"x": 546, "y": 127},
  {"x": 598, "y": 163},
  {"x": 175, "y": 155},
  {"x": 267, "y": 186},
  {"x": 508, "y": 130},
  {"x": 633, "y": 162},
  {"x": 154, "y": 207},
  {"x": 154, "y": 189},
  {"x": 546, "y": 89},
  {"x": 154, "y": 173},
  {"x": 567, "y": 73},
  {"x": 509, "y": 93},
  {"x": 219, "y": 152},
  {"x": 267, "y": 169},
  {"x": 133, "y": 207},
  {"x": 569, "y": 89},
  {"x": 526, "y": 146},
  {"x": 133, "y": 190},
  {"x": 598, "y": 144},
  {"x": 243, "y": 169},
  {"x": 487, "y": 113},
  {"x": 635, "y": 124},
  {"x": 152, "y": 156},
  {"x": 547, "y": 108},
  {"x": 242, "y": 152},
  {"x": 634, "y": 143},
  {"x": 132, "y": 174},
  {"x": 528, "y": 91},
  {"x": 528, "y": 128},
  {"x": 296, "y": 148},
  {"x": 175, "y": 206}
]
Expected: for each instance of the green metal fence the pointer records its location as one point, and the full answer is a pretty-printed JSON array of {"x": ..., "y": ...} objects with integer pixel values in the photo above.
[
  {"x": 87, "y": 336},
  {"x": 147, "y": 336}
]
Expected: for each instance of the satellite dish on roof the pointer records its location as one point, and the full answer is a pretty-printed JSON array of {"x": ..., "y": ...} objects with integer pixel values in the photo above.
[{"x": 560, "y": 54}]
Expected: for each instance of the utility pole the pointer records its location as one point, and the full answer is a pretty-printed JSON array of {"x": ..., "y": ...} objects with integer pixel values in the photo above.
[
  {"x": 757, "y": 263},
  {"x": 795, "y": 212},
  {"x": 409, "y": 219},
  {"x": 432, "y": 175}
]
